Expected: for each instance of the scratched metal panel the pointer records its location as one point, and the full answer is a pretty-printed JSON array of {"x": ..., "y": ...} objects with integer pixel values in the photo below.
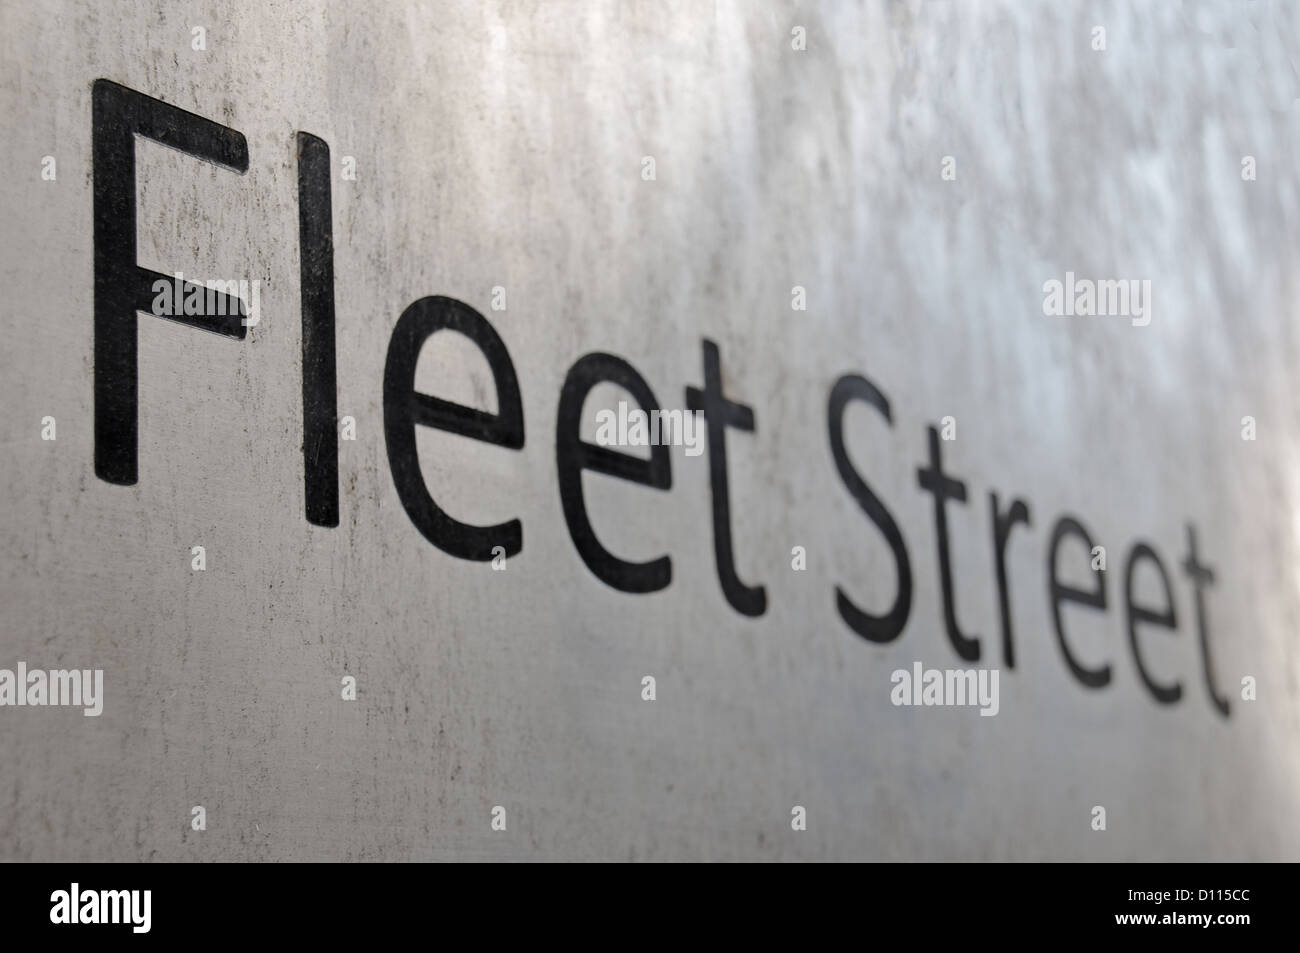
[{"x": 503, "y": 145}]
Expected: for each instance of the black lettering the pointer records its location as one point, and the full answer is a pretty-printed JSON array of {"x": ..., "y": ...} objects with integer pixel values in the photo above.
[
  {"x": 1002, "y": 526},
  {"x": 721, "y": 413},
  {"x": 1058, "y": 592},
  {"x": 405, "y": 407},
  {"x": 1202, "y": 577},
  {"x": 122, "y": 287},
  {"x": 945, "y": 488},
  {"x": 573, "y": 455},
  {"x": 1165, "y": 694},
  {"x": 320, "y": 447},
  {"x": 875, "y": 628}
]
